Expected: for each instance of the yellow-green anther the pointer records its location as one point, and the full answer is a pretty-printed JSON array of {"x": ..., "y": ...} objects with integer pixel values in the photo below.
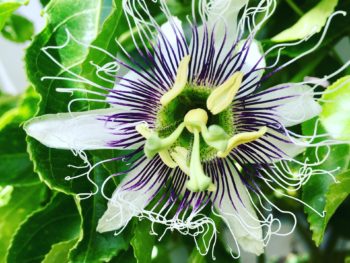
[
  {"x": 196, "y": 119},
  {"x": 155, "y": 144},
  {"x": 216, "y": 137},
  {"x": 179, "y": 155},
  {"x": 180, "y": 82},
  {"x": 163, "y": 154},
  {"x": 198, "y": 180},
  {"x": 166, "y": 158},
  {"x": 242, "y": 138},
  {"x": 222, "y": 96}
]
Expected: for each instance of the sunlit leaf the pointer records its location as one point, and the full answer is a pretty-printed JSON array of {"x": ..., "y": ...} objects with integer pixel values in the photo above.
[
  {"x": 15, "y": 165},
  {"x": 23, "y": 201},
  {"x": 80, "y": 20},
  {"x": 57, "y": 222},
  {"x": 106, "y": 40},
  {"x": 310, "y": 23},
  {"x": 315, "y": 190},
  {"x": 336, "y": 194},
  {"x": 93, "y": 246},
  {"x": 336, "y": 109},
  {"x": 18, "y": 29},
  {"x": 7, "y": 7},
  {"x": 5, "y": 195},
  {"x": 60, "y": 252},
  {"x": 143, "y": 242},
  {"x": 7, "y": 103}
]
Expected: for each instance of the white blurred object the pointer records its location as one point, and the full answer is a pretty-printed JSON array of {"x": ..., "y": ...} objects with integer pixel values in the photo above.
[{"x": 13, "y": 79}]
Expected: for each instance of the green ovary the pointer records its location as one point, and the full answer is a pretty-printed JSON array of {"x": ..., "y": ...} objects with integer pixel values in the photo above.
[{"x": 169, "y": 117}]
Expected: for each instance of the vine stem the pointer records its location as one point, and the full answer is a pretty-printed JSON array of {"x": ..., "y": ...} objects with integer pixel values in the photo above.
[{"x": 295, "y": 7}]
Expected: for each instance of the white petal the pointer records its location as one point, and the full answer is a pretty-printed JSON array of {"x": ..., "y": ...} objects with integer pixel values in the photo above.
[
  {"x": 276, "y": 144},
  {"x": 126, "y": 203},
  {"x": 222, "y": 18},
  {"x": 255, "y": 60},
  {"x": 168, "y": 47},
  {"x": 290, "y": 147},
  {"x": 79, "y": 131},
  {"x": 123, "y": 85},
  {"x": 223, "y": 15},
  {"x": 300, "y": 105},
  {"x": 242, "y": 221}
]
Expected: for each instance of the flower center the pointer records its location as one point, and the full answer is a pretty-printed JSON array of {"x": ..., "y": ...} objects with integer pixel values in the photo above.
[
  {"x": 172, "y": 114},
  {"x": 194, "y": 125}
]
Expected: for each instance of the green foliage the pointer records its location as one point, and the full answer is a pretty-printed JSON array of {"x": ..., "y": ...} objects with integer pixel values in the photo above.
[
  {"x": 60, "y": 252},
  {"x": 143, "y": 242},
  {"x": 316, "y": 189},
  {"x": 105, "y": 40},
  {"x": 53, "y": 165},
  {"x": 58, "y": 221},
  {"x": 321, "y": 192},
  {"x": 15, "y": 166},
  {"x": 336, "y": 109},
  {"x": 7, "y": 7},
  {"x": 18, "y": 29},
  {"x": 93, "y": 246},
  {"x": 336, "y": 194},
  {"x": 7, "y": 102},
  {"x": 310, "y": 23},
  {"x": 22, "y": 202}
]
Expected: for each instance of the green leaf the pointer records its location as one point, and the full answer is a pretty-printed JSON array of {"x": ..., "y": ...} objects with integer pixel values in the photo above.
[
  {"x": 5, "y": 195},
  {"x": 7, "y": 7},
  {"x": 15, "y": 165},
  {"x": 143, "y": 242},
  {"x": 320, "y": 191},
  {"x": 310, "y": 23},
  {"x": 93, "y": 246},
  {"x": 106, "y": 40},
  {"x": 60, "y": 252},
  {"x": 23, "y": 201},
  {"x": 336, "y": 109},
  {"x": 81, "y": 19},
  {"x": 18, "y": 29},
  {"x": 196, "y": 257},
  {"x": 7, "y": 103},
  {"x": 57, "y": 222},
  {"x": 44, "y": 2},
  {"x": 127, "y": 256},
  {"x": 337, "y": 193},
  {"x": 315, "y": 190}
]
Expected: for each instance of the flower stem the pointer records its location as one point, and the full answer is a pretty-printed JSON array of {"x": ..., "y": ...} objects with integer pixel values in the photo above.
[{"x": 295, "y": 7}]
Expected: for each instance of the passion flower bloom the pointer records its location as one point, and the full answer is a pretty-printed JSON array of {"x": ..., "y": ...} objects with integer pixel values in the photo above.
[{"x": 202, "y": 133}]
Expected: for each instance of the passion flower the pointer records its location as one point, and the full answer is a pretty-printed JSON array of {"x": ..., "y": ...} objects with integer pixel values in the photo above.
[{"x": 202, "y": 130}]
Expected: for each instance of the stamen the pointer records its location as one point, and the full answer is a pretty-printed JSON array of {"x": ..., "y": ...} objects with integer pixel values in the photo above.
[
  {"x": 180, "y": 82},
  {"x": 179, "y": 155},
  {"x": 198, "y": 180},
  {"x": 155, "y": 144},
  {"x": 242, "y": 138},
  {"x": 166, "y": 158},
  {"x": 216, "y": 137},
  {"x": 222, "y": 96}
]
